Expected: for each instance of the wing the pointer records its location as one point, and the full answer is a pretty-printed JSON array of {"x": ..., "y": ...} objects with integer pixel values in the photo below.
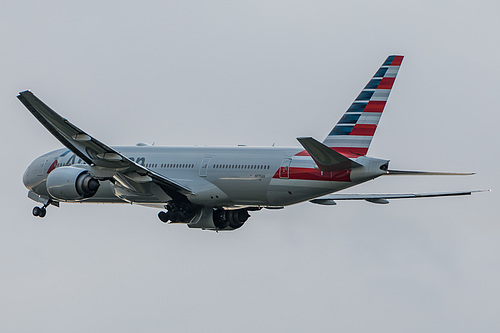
[
  {"x": 95, "y": 153},
  {"x": 384, "y": 198}
]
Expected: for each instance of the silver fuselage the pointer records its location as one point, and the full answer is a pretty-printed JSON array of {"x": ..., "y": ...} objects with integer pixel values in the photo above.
[{"x": 220, "y": 176}]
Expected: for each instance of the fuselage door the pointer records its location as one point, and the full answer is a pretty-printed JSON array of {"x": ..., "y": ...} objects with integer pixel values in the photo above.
[
  {"x": 285, "y": 168},
  {"x": 204, "y": 166}
]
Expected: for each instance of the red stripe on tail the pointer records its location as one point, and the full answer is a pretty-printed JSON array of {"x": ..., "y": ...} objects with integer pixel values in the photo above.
[
  {"x": 397, "y": 61},
  {"x": 386, "y": 83},
  {"x": 364, "y": 129},
  {"x": 375, "y": 106}
]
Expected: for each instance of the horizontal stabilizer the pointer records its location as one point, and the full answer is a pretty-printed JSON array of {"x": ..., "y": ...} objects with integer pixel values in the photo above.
[
  {"x": 325, "y": 157},
  {"x": 426, "y": 173},
  {"x": 384, "y": 198}
]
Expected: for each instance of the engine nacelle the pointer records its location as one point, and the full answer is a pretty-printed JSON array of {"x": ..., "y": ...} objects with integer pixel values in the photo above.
[{"x": 70, "y": 183}]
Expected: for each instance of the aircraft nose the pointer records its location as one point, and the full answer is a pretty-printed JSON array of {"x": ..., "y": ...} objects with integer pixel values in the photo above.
[
  {"x": 27, "y": 178},
  {"x": 30, "y": 176},
  {"x": 35, "y": 175}
]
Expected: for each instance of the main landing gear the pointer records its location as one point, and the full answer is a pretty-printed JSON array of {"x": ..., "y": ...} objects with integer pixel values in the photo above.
[{"x": 177, "y": 213}]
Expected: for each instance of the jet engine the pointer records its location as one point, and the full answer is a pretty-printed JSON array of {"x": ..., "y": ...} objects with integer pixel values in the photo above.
[{"x": 70, "y": 183}]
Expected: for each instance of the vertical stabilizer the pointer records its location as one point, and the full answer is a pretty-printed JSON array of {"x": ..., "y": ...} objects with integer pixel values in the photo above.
[{"x": 354, "y": 132}]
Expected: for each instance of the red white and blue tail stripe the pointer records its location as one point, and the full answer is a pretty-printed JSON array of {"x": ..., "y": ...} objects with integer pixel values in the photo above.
[{"x": 354, "y": 132}]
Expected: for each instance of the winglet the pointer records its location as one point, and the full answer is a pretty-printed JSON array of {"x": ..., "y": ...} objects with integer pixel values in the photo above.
[{"x": 326, "y": 158}]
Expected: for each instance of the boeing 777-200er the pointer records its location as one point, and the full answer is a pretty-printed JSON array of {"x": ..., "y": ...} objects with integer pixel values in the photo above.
[{"x": 214, "y": 188}]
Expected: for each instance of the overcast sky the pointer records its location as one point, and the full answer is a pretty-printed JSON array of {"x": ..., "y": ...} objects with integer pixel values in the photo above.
[{"x": 256, "y": 73}]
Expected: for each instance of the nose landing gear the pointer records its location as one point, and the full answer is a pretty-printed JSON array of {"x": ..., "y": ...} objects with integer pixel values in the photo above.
[{"x": 41, "y": 211}]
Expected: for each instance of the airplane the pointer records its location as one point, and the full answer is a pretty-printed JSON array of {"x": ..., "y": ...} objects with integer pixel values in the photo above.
[{"x": 215, "y": 188}]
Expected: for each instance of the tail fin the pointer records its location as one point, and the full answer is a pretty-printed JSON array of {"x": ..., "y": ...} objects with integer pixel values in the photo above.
[{"x": 354, "y": 132}]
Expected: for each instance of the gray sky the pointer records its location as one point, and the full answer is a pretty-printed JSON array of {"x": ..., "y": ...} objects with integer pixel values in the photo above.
[{"x": 256, "y": 73}]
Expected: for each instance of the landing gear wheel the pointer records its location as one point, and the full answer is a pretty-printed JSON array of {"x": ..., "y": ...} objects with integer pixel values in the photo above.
[
  {"x": 164, "y": 217},
  {"x": 39, "y": 211},
  {"x": 36, "y": 211}
]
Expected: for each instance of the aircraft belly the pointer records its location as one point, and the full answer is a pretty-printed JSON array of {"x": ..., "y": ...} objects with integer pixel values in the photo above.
[
  {"x": 283, "y": 192},
  {"x": 40, "y": 188},
  {"x": 248, "y": 191}
]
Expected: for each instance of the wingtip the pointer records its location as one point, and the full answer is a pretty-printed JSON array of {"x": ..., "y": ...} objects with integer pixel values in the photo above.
[
  {"x": 24, "y": 92},
  {"x": 479, "y": 191}
]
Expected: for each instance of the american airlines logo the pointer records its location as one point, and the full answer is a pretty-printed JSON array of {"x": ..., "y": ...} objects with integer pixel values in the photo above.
[{"x": 52, "y": 167}]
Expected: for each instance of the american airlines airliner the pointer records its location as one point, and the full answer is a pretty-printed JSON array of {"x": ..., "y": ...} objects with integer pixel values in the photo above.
[{"x": 215, "y": 188}]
